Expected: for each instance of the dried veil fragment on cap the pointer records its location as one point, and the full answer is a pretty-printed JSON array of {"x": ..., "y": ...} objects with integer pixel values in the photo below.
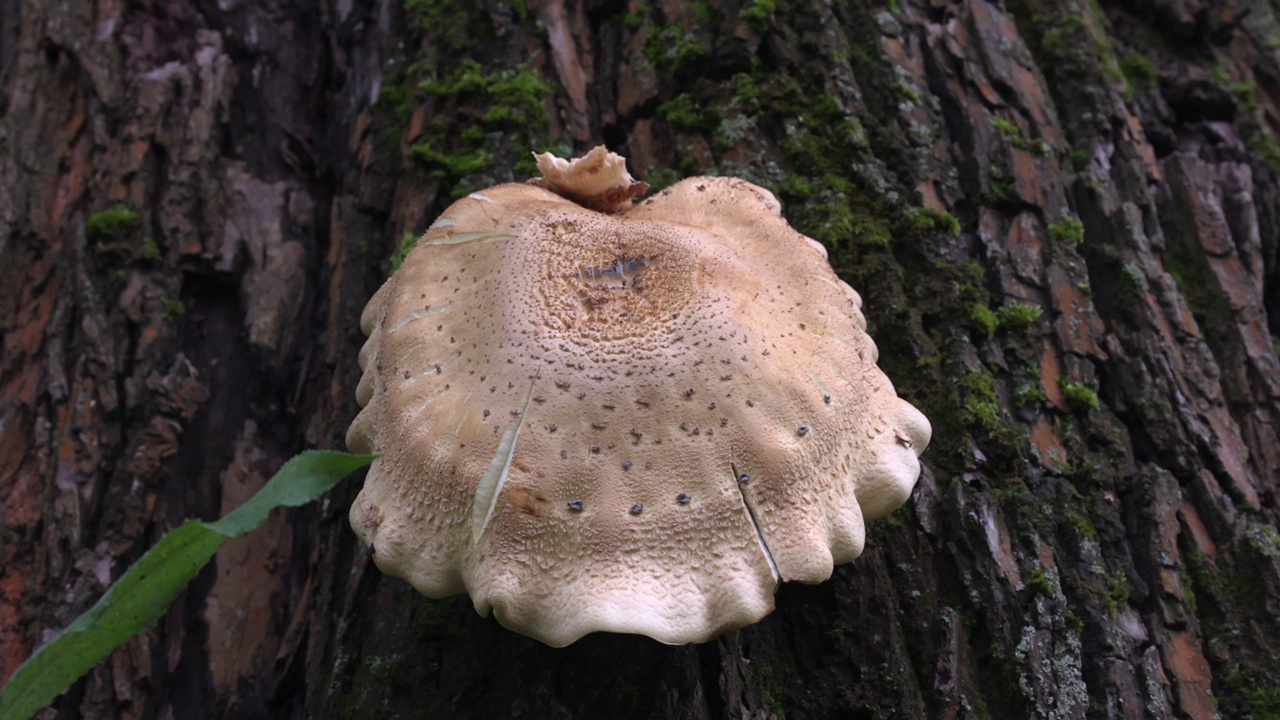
[
  {"x": 598, "y": 180},
  {"x": 595, "y": 415}
]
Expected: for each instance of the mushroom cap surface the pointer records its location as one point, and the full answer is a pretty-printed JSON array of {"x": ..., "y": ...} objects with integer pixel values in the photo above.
[{"x": 638, "y": 422}]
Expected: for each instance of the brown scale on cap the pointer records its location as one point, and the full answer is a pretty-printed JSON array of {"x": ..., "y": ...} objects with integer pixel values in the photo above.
[{"x": 560, "y": 305}]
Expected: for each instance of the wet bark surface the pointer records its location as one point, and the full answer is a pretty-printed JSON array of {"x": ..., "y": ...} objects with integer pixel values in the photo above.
[{"x": 1063, "y": 216}]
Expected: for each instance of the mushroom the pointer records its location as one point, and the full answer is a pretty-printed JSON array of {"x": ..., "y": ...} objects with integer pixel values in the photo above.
[{"x": 597, "y": 507}]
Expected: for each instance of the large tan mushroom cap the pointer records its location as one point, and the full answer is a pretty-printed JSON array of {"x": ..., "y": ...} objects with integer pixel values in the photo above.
[{"x": 637, "y": 422}]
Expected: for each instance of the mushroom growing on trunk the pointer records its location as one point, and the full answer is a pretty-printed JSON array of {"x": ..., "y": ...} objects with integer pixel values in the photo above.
[{"x": 600, "y": 416}]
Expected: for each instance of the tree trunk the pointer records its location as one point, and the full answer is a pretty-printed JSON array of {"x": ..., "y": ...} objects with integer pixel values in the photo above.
[{"x": 198, "y": 198}]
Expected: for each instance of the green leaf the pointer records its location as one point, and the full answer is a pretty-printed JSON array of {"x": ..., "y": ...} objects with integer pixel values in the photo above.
[
  {"x": 304, "y": 478},
  {"x": 147, "y": 588}
]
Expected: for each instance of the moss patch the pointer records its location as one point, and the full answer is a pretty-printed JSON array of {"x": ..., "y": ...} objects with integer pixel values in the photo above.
[
  {"x": 1013, "y": 135},
  {"x": 1067, "y": 230},
  {"x": 1079, "y": 396},
  {"x": 407, "y": 241},
  {"x": 1019, "y": 315},
  {"x": 1139, "y": 71},
  {"x": 1039, "y": 582},
  {"x": 985, "y": 319},
  {"x": 172, "y": 308},
  {"x": 1117, "y": 592},
  {"x": 676, "y": 52},
  {"x": 686, "y": 115},
  {"x": 1029, "y": 395},
  {"x": 758, "y": 15},
  {"x": 113, "y": 223},
  {"x": 481, "y": 114},
  {"x": 981, "y": 404}
]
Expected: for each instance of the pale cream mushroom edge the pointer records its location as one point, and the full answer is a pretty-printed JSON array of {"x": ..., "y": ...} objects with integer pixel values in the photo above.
[{"x": 596, "y": 414}]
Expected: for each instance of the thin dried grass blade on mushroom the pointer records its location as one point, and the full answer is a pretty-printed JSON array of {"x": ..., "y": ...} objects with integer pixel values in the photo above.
[{"x": 602, "y": 415}]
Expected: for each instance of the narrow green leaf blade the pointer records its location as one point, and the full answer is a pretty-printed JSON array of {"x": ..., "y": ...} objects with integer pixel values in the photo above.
[
  {"x": 136, "y": 600},
  {"x": 304, "y": 478},
  {"x": 150, "y": 585}
]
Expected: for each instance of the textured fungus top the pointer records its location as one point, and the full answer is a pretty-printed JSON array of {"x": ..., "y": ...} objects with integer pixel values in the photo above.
[{"x": 634, "y": 419}]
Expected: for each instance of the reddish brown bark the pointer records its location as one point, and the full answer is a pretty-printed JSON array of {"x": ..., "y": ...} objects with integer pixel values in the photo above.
[{"x": 1058, "y": 560}]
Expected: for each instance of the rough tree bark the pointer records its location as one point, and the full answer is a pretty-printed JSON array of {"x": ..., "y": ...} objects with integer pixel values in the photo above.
[{"x": 197, "y": 199}]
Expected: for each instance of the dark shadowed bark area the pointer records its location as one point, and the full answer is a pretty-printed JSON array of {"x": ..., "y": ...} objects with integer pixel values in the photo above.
[{"x": 1063, "y": 216}]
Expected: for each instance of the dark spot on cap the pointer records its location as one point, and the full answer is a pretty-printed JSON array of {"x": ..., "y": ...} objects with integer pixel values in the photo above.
[
  {"x": 626, "y": 465},
  {"x": 683, "y": 498},
  {"x": 802, "y": 430},
  {"x": 744, "y": 478},
  {"x": 576, "y": 505},
  {"x": 637, "y": 508}
]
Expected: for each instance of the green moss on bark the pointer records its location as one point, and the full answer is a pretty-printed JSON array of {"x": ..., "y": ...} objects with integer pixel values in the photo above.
[
  {"x": 114, "y": 223},
  {"x": 1067, "y": 230},
  {"x": 486, "y": 114}
]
